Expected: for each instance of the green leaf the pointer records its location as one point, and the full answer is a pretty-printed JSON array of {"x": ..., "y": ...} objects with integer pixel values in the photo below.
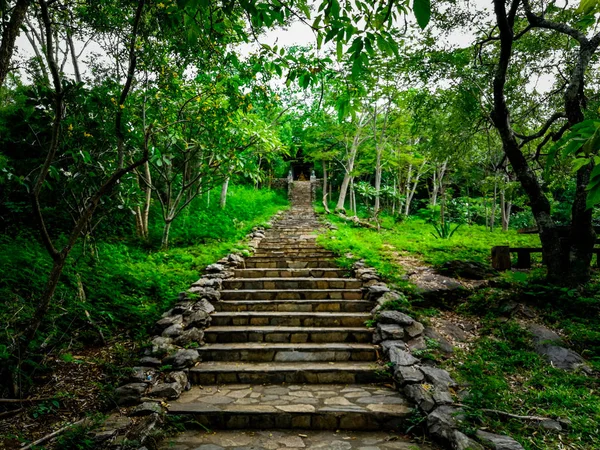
[
  {"x": 593, "y": 197},
  {"x": 587, "y": 6},
  {"x": 578, "y": 163},
  {"x": 422, "y": 11},
  {"x": 339, "y": 50}
]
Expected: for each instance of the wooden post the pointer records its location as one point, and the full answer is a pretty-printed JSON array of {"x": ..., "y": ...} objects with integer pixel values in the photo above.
[{"x": 501, "y": 257}]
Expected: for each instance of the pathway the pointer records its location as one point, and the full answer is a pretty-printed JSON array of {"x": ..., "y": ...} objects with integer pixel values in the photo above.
[{"x": 288, "y": 350}]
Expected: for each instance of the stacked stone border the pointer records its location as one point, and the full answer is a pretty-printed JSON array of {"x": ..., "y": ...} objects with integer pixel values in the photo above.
[
  {"x": 162, "y": 373},
  {"x": 430, "y": 388}
]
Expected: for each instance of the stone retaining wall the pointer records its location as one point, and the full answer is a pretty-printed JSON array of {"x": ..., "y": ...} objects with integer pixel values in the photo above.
[
  {"x": 431, "y": 388},
  {"x": 162, "y": 373}
]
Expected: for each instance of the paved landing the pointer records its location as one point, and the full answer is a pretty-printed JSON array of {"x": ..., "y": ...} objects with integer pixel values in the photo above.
[
  {"x": 307, "y": 398},
  {"x": 291, "y": 440}
]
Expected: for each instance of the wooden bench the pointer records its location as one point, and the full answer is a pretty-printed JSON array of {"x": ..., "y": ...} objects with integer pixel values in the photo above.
[{"x": 501, "y": 257}]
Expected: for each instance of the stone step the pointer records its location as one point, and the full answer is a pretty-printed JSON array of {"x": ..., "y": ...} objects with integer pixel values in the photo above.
[
  {"x": 291, "y": 283},
  {"x": 295, "y": 305},
  {"x": 282, "y": 334},
  {"x": 317, "y": 272},
  {"x": 292, "y": 254},
  {"x": 291, "y": 319},
  {"x": 289, "y": 244},
  {"x": 279, "y": 262},
  {"x": 316, "y": 407},
  {"x": 292, "y": 439},
  {"x": 218, "y": 372},
  {"x": 291, "y": 294},
  {"x": 285, "y": 352}
]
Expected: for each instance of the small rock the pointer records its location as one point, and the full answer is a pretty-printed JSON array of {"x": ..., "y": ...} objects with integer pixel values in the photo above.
[
  {"x": 173, "y": 331},
  {"x": 445, "y": 346},
  {"x": 146, "y": 408},
  {"x": 166, "y": 322},
  {"x": 438, "y": 377},
  {"x": 177, "y": 377},
  {"x": 562, "y": 358},
  {"x": 182, "y": 358},
  {"x": 166, "y": 390},
  {"x": 417, "y": 343},
  {"x": 208, "y": 293},
  {"x": 142, "y": 374},
  {"x": 204, "y": 305},
  {"x": 421, "y": 396},
  {"x": 215, "y": 268},
  {"x": 471, "y": 270},
  {"x": 189, "y": 336},
  {"x": 498, "y": 441},
  {"x": 236, "y": 259},
  {"x": 443, "y": 421},
  {"x": 214, "y": 283},
  {"x": 376, "y": 291},
  {"x": 454, "y": 331},
  {"x": 390, "y": 332},
  {"x": 408, "y": 375},
  {"x": 161, "y": 346},
  {"x": 387, "y": 345},
  {"x": 150, "y": 361},
  {"x": 391, "y": 296},
  {"x": 543, "y": 335},
  {"x": 130, "y": 393},
  {"x": 401, "y": 357},
  {"x": 182, "y": 307},
  {"x": 395, "y": 317},
  {"x": 415, "y": 329},
  {"x": 197, "y": 319},
  {"x": 460, "y": 441}
]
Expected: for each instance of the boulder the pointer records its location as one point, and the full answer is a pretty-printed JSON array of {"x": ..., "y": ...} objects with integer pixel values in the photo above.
[
  {"x": 498, "y": 441},
  {"x": 150, "y": 361},
  {"x": 208, "y": 293},
  {"x": 182, "y": 307},
  {"x": 395, "y": 317},
  {"x": 417, "y": 343},
  {"x": 236, "y": 259}
]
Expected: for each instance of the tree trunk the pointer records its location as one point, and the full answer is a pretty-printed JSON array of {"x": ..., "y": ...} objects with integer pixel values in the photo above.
[
  {"x": 349, "y": 166},
  {"x": 224, "y": 187},
  {"x": 325, "y": 186},
  {"x": 9, "y": 36},
  {"x": 505, "y": 208},
  {"x": 493, "y": 208},
  {"x": 165, "y": 236},
  {"x": 377, "y": 181}
]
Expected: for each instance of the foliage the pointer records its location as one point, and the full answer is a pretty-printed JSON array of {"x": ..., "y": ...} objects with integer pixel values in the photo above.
[
  {"x": 124, "y": 281},
  {"x": 444, "y": 230}
]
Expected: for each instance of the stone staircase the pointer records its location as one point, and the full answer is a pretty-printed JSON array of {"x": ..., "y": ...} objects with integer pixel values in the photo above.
[{"x": 288, "y": 347}]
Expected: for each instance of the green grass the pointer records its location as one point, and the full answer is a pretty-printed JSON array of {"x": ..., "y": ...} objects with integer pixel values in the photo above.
[
  {"x": 501, "y": 368},
  {"x": 414, "y": 237},
  {"x": 127, "y": 283},
  {"x": 504, "y": 373}
]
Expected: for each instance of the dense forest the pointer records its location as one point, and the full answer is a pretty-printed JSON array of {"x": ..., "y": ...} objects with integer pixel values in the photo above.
[{"x": 141, "y": 141}]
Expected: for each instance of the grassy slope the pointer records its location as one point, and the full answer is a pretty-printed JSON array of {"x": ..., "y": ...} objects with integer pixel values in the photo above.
[
  {"x": 126, "y": 281},
  {"x": 501, "y": 368}
]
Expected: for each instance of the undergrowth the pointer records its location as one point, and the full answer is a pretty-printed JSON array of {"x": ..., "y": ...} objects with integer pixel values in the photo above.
[
  {"x": 123, "y": 284},
  {"x": 501, "y": 368}
]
